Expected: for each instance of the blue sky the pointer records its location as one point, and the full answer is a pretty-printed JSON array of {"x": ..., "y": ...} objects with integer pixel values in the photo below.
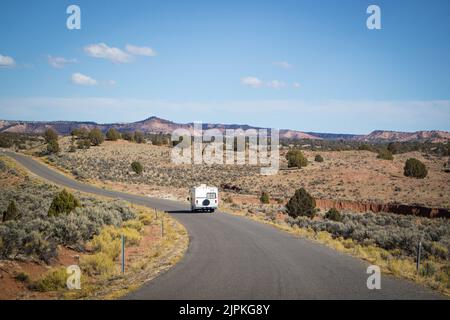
[{"x": 306, "y": 65}]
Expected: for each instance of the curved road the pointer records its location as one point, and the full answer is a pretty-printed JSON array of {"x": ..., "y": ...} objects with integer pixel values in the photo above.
[{"x": 231, "y": 257}]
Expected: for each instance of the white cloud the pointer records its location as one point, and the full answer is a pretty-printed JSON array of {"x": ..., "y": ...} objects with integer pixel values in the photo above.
[
  {"x": 103, "y": 51},
  {"x": 275, "y": 84},
  {"x": 6, "y": 62},
  {"x": 256, "y": 83},
  {"x": 59, "y": 62},
  {"x": 252, "y": 82},
  {"x": 83, "y": 80},
  {"x": 283, "y": 64},
  {"x": 140, "y": 51},
  {"x": 296, "y": 85}
]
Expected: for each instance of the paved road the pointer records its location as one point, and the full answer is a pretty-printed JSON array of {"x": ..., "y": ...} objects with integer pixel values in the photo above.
[{"x": 230, "y": 257}]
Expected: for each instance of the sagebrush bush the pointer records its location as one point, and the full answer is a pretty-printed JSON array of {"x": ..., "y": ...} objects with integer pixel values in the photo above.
[
  {"x": 387, "y": 231},
  {"x": 84, "y": 144},
  {"x": 34, "y": 244},
  {"x": 415, "y": 168},
  {"x": 301, "y": 204},
  {"x": 35, "y": 233}
]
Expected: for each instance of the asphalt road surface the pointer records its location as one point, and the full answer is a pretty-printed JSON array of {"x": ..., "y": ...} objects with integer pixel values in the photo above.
[{"x": 231, "y": 257}]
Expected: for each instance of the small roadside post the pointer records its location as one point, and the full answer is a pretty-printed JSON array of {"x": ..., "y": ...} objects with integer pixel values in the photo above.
[
  {"x": 156, "y": 214},
  {"x": 419, "y": 252},
  {"x": 123, "y": 254},
  {"x": 162, "y": 228}
]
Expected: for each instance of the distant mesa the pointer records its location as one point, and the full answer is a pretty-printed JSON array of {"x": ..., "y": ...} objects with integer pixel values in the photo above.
[{"x": 158, "y": 125}]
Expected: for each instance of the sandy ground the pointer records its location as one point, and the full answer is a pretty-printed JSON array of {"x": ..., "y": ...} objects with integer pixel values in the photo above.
[{"x": 344, "y": 175}]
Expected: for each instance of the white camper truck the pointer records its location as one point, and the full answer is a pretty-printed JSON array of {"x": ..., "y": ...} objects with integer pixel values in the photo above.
[{"x": 204, "y": 198}]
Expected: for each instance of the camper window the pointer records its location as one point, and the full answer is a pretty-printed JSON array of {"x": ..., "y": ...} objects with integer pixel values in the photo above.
[{"x": 211, "y": 195}]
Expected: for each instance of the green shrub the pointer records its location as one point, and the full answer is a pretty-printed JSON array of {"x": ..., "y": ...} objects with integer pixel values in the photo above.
[
  {"x": 415, "y": 168},
  {"x": 75, "y": 132},
  {"x": 264, "y": 197},
  {"x": 318, "y": 158},
  {"x": 63, "y": 202},
  {"x": 81, "y": 133},
  {"x": 96, "y": 137},
  {"x": 365, "y": 147},
  {"x": 22, "y": 277},
  {"x": 394, "y": 147},
  {"x": 84, "y": 144},
  {"x": 112, "y": 134},
  {"x": 50, "y": 135},
  {"x": 385, "y": 154},
  {"x": 139, "y": 137},
  {"x": 72, "y": 148},
  {"x": 137, "y": 167},
  {"x": 11, "y": 212},
  {"x": 333, "y": 214},
  {"x": 296, "y": 158},
  {"x": 129, "y": 136},
  {"x": 301, "y": 204},
  {"x": 53, "y": 147},
  {"x": 5, "y": 142}
]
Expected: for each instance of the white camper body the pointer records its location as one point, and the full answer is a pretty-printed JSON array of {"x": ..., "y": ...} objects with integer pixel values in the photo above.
[{"x": 204, "y": 198}]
